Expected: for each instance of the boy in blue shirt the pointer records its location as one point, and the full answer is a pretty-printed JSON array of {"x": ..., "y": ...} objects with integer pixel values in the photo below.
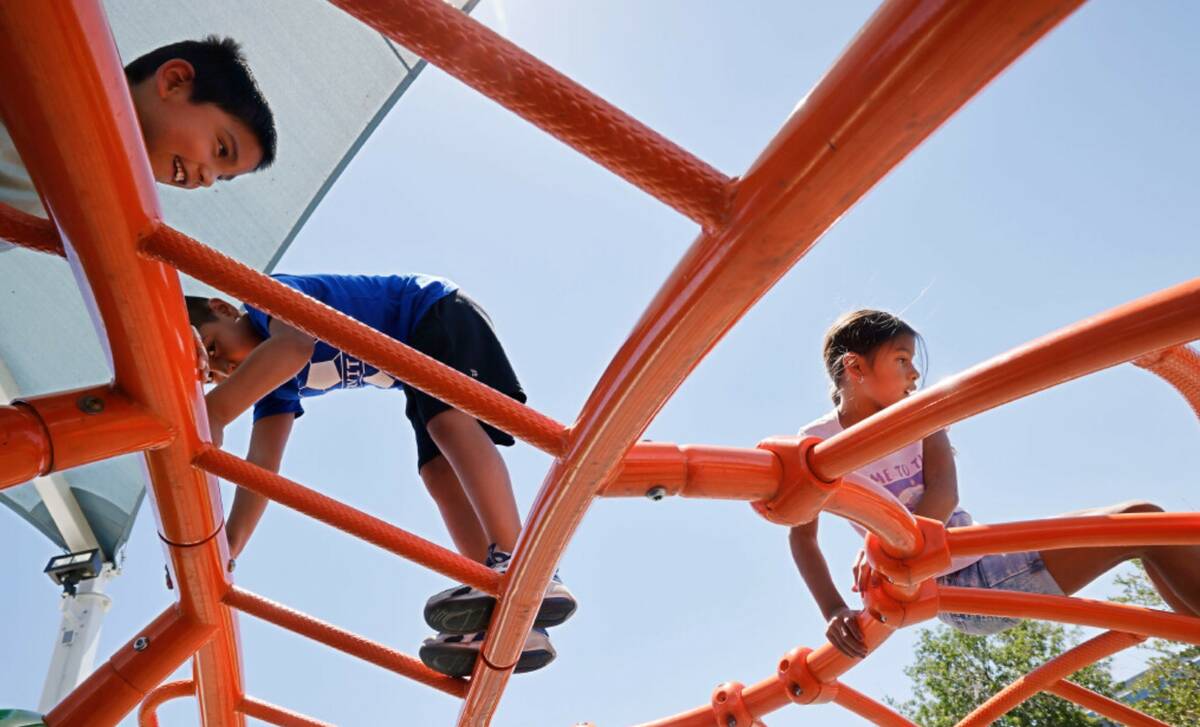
[{"x": 264, "y": 362}]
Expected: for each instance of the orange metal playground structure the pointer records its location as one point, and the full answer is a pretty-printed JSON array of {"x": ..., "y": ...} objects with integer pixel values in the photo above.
[{"x": 65, "y": 103}]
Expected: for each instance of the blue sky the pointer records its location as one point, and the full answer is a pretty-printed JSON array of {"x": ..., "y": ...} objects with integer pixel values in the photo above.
[{"x": 1067, "y": 187}]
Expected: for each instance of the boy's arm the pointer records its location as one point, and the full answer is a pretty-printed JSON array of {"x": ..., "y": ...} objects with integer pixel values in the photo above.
[
  {"x": 267, "y": 441},
  {"x": 269, "y": 365},
  {"x": 843, "y": 631},
  {"x": 941, "y": 479}
]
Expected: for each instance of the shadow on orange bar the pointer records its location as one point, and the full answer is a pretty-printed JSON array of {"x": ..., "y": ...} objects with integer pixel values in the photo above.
[
  {"x": 1092, "y": 531},
  {"x": 1102, "y": 705},
  {"x": 1161, "y": 319},
  {"x": 356, "y": 338},
  {"x": 486, "y": 61},
  {"x": 342, "y": 640},
  {"x": 357, "y": 523},
  {"x": 1063, "y": 665},
  {"x": 1068, "y": 609}
]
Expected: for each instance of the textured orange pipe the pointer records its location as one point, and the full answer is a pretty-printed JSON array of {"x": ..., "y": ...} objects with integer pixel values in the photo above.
[
  {"x": 1102, "y": 705},
  {"x": 1165, "y": 318},
  {"x": 1063, "y": 665},
  {"x": 65, "y": 102},
  {"x": 912, "y": 66},
  {"x": 1178, "y": 366},
  {"x": 1092, "y": 531},
  {"x": 357, "y": 523},
  {"x": 869, "y": 709},
  {"x": 356, "y": 338},
  {"x": 26, "y": 230},
  {"x": 342, "y": 640},
  {"x": 484, "y": 60},
  {"x": 252, "y": 707},
  {"x": 148, "y": 712},
  {"x": 1082, "y": 611}
]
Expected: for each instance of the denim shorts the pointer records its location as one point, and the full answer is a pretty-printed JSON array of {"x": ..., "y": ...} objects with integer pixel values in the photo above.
[{"x": 1006, "y": 571}]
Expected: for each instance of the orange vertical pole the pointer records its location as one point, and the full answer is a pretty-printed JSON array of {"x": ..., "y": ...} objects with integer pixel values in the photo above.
[
  {"x": 64, "y": 100},
  {"x": 892, "y": 88}
]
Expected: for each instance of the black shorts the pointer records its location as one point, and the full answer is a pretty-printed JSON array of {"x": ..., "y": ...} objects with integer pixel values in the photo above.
[{"x": 457, "y": 332}]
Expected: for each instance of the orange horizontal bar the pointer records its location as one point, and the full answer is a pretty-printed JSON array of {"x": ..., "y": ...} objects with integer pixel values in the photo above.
[
  {"x": 1091, "y": 531},
  {"x": 357, "y": 523},
  {"x": 1067, "y": 663},
  {"x": 26, "y": 230},
  {"x": 258, "y": 709},
  {"x": 342, "y": 640},
  {"x": 1069, "y": 609},
  {"x": 693, "y": 470},
  {"x": 499, "y": 69},
  {"x": 148, "y": 712},
  {"x": 1102, "y": 705},
  {"x": 1161, "y": 319},
  {"x": 358, "y": 339},
  {"x": 869, "y": 709},
  {"x": 24, "y": 446},
  {"x": 892, "y": 87},
  {"x": 1178, "y": 366}
]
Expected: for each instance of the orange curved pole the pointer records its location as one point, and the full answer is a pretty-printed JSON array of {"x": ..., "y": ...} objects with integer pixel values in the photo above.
[
  {"x": 890, "y": 89},
  {"x": 874, "y": 712},
  {"x": 1178, "y": 366},
  {"x": 882, "y": 515},
  {"x": 148, "y": 712},
  {"x": 1063, "y": 665},
  {"x": 1102, "y": 705},
  {"x": 1090, "y": 531},
  {"x": 1069, "y": 609},
  {"x": 356, "y": 338},
  {"x": 342, "y": 640},
  {"x": 357, "y": 523},
  {"x": 267, "y": 712}
]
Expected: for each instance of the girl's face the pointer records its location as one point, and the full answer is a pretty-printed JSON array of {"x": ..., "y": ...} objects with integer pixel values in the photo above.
[{"x": 889, "y": 375}]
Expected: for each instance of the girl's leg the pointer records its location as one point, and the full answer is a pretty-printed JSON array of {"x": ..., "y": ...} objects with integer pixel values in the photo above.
[
  {"x": 1174, "y": 569},
  {"x": 480, "y": 468},
  {"x": 456, "y": 509}
]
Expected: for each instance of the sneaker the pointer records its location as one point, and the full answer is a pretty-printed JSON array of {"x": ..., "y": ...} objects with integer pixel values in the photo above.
[
  {"x": 466, "y": 610},
  {"x": 454, "y": 654}
]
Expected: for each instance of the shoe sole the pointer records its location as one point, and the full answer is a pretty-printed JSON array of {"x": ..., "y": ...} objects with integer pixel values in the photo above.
[
  {"x": 469, "y": 615},
  {"x": 455, "y": 661}
]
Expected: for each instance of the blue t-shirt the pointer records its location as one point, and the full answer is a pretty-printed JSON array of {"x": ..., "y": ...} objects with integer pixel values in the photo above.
[{"x": 391, "y": 304}]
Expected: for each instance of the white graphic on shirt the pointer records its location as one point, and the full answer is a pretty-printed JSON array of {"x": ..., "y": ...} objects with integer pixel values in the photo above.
[
  {"x": 346, "y": 372},
  {"x": 381, "y": 380},
  {"x": 323, "y": 376}
]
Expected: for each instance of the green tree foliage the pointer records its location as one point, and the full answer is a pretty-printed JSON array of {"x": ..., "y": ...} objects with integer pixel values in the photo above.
[
  {"x": 953, "y": 673},
  {"x": 1169, "y": 689}
]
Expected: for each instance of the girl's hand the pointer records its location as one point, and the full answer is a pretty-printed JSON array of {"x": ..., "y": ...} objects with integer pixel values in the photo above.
[{"x": 845, "y": 635}]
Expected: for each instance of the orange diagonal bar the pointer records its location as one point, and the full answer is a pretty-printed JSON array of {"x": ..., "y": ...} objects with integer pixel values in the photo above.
[
  {"x": 269, "y": 713},
  {"x": 342, "y": 640},
  {"x": 869, "y": 709},
  {"x": 1102, "y": 705},
  {"x": 356, "y": 338},
  {"x": 512, "y": 77},
  {"x": 1063, "y": 665},
  {"x": 26, "y": 230},
  {"x": 357, "y": 523},
  {"x": 1070, "y": 609},
  {"x": 890, "y": 89},
  {"x": 1179, "y": 366},
  {"x": 1091, "y": 531}
]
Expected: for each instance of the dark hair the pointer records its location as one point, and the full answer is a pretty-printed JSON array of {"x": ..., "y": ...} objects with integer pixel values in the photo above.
[
  {"x": 199, "y": 311},
  {"x": 861, "y": 332},
  {"x": 223, "y": 78}
]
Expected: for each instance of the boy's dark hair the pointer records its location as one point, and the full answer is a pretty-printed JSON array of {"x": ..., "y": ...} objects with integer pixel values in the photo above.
[
  {"x": 861, "y": 332},
  {"x": 199, "y": 311},
  {"x": 223, "y": 78}
]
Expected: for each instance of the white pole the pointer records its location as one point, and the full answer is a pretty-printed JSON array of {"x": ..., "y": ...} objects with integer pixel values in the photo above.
[{"x": 78, "y": 636}]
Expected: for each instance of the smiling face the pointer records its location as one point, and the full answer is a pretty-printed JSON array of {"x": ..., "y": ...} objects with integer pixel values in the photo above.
[
  {"x": 228, "y": 340},
  {"x": 190, "y": 145},
  {"x": 888, "y": 373}
]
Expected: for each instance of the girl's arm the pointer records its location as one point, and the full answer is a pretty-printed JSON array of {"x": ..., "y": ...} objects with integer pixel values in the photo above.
[
  {"x": 941, "y": 479},
  {"x": 843, "y": 631}
]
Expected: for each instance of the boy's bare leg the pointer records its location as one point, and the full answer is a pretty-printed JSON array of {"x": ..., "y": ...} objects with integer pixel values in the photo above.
[
  {"x": 480, "y": 469},
  {"x": 1174, "y": 569},
  {"x": 457, "y": 511}
]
